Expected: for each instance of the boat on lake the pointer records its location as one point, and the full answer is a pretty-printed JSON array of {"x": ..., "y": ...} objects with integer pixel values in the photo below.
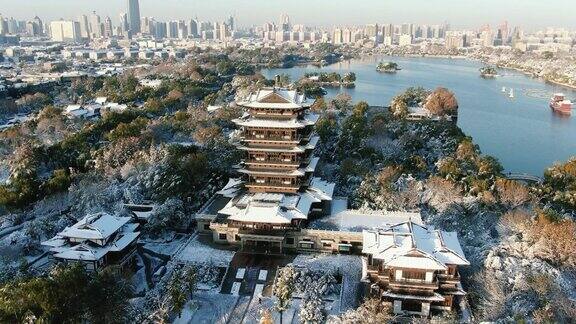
[
  {"x": 503, "y": 89},
  {"x": 560, "y": 104},
  {"x": 511, "y": 94}
]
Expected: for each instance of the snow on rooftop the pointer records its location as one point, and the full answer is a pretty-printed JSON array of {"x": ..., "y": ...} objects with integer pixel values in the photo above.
[
  {"x": 308, "y": 120},
  {"x": 413, "y": 245},
  {"x": 95, "y": 227},
  {"x": 276, "y": 98},
  {"x": 343, "y": 219}
]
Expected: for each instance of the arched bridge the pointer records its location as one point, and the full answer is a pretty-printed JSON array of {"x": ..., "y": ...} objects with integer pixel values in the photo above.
[{"x": 525, "y": 177}]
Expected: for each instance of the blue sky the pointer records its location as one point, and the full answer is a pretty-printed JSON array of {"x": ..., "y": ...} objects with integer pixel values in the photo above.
[{"x": 460, "y": 13}]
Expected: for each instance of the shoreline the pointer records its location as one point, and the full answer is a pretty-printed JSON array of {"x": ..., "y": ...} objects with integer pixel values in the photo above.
[{"x": 463, "y": 57}]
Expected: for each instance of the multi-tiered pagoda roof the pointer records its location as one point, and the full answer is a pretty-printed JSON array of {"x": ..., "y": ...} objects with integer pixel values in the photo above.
[{"x": 278, "y": 187}]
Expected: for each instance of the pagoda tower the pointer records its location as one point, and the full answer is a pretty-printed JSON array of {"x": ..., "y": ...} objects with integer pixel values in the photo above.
[{"x": 277, "y": 134}]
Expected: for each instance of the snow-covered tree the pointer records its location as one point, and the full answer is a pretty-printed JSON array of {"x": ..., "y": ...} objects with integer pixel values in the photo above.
[
  {"x": 312, "y": 310},
  {"x": 283, "y": 289}
]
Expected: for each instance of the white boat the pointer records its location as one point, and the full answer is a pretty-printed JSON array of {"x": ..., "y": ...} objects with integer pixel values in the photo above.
[
  {"x": 503, "y": 89},
  {"x": 511, "y": 94}
]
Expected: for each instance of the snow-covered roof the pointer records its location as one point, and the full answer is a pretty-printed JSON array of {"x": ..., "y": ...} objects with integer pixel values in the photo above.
[
  {"x": 231, "y": 188},
  {"x": 212, "y": 108},
  {"x": 308, "y": 120},
  {"x": 89, "y": 252},
  {"x": 276, "y": 208},
  {"x": 294, "y": 149},
  {"x": 276, "y": 98},
  {"x": 117, "y": 230},
  {"x": 100, "y": 100},
  {"x": 412, "y": 245},
  {"x": 95, "y": 227}
]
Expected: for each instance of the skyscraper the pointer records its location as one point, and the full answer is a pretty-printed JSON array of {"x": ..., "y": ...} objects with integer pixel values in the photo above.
[
  {"x": 108, "y": 28},
  {"x": 40, "y": 25},
  {"x": 124, "y": 23},
  {"x": 134, "y": 16},
  {"x": 84, "y": 27},
  {"x": 65, "y": 31},
  {"x": 96, "y": 25},
  {"x": 194, "y": 28},
  {"x": 284, "y": 22}
]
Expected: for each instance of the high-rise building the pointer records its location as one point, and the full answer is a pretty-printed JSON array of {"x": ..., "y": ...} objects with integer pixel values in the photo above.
[
  {"x": 347, "y": 36},
  {"x": 172, "y": 29},
  {"x": 455, "y": 40},
  {"x": 40, "y": 25},
  {"x": 223, "y": 32},
  {"x": 134, "y": 16},
  {"x": 405, "y": 40},
  {"x": 182, "y": 30},
  {"x": 3, "y": 26},
  {"x": 371, "y": 30},
  {"x": 96, "y": 28},
  {"x": 124, "y": 23},
  {"x": 337, "y": 38},
  {"x": 193, "y": 26},
  {"x": 13, "y": 26},
  {"x": 65, "y": 31},
  {"x": 284, "y": 22},
  {"x": 230, "y": 23},
  {"x": 84, "y": 26},
  {"x": 108, "y": 28}
]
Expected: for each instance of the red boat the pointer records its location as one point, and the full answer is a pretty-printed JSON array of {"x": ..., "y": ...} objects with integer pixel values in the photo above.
[{"x": 559, "y": 104}]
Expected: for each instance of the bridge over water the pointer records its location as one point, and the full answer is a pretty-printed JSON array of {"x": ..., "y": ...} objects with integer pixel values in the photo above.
[{"x": 525, "y": 177}]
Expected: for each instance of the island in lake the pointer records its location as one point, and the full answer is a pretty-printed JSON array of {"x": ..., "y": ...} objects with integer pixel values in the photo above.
[
  {"x": 387, "y": 67},
  {"x": 488, "y": 72}
]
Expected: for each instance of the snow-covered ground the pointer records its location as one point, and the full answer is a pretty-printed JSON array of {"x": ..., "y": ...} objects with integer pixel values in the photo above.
[
  {"x": 207, "y": 307},
  {"x": 349, "y": 266},
  {"x": 198, "y": 252},
  {"x": 166, "y": 246}
]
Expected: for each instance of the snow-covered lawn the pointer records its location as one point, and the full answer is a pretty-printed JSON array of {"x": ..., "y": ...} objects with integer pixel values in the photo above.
[
  {"x": 166, "y": 246},
  {"x": 207, "y": 308},
  {"x": 199, "y": 252},
  {"x": 349, "y": 266}
]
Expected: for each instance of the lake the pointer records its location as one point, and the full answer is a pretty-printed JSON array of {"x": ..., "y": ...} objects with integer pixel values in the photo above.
[{"x": 522, "y": 132}]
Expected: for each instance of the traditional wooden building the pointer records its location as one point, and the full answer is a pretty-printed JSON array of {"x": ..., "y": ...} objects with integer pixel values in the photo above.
[
  {"x": 278, "y": 138},
  {"x": 414, "y": 266},
  {"x": 277, "y": 191},
  {"x": 97, "y": 240}
]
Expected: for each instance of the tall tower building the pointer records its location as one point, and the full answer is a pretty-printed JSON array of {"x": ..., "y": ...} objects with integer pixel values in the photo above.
[
  {"x": 134, "y": 16},
  {"x": 278, "y": 190},
  {"x": 124, "y": 23},
  {"x": 284, "y": 22},
  {"x": 108, "y": 28},
  {"x": 65, "y": 31},
  {"x": 193, "y": 26},
  {"x": 230, "y": 23},
  {"x": 95, "y": 25},
  {"x": 337, "y": 38},
  {"x": 40, "y": 25},
  {"x": 84, "y": 26},
  {"x": 3, "y": 26}
]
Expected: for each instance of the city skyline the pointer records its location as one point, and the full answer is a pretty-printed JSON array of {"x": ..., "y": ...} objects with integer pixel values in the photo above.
[{"x": 531, "y": 14}]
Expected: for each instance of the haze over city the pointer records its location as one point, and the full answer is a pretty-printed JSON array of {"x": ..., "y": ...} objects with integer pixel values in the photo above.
[{"x": 529, "y": 14}]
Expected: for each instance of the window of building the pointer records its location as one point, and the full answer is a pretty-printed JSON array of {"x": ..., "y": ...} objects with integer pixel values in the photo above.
[
  {"x": 290, "y": 240},
  {"x": 207, "y": 227},
  {"x": 413, "y": 275},
  {"x": 222, "y": 236}
]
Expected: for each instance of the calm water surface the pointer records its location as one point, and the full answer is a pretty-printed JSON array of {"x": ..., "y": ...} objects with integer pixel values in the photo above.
[{"x": 523, "y": 133}]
